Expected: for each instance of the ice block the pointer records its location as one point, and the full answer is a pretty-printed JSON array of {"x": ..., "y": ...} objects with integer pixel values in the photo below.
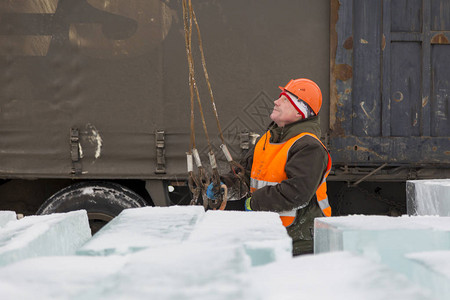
[
  {"x": 187, "y": 271},
  {"x": 135, "y": 229},
  {"x": 337, "y": 276},
  {"x": 184, "y": 271},
  {"x": 381, "y": 238},
  {"x": 235, "y": 255},
  {"x": 55, "y": 234},
  {"x": 428, "y": 197},
  {"x": 261, "y": 234},
  {"x": 62, "y": 277}
]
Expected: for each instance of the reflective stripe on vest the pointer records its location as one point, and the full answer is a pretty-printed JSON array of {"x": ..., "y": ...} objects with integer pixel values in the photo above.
[
  {"x": 287, "y": 217},
  {"x": 257, "y": 184},
  {"x": 268, "y": 170}
]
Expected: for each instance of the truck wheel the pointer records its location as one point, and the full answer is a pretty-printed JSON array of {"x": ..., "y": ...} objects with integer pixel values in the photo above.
[{"x": 102, "y": 200}]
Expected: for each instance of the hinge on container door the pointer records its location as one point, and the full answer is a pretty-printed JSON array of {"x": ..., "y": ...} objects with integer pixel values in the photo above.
[
  {"x": 75, "y": 151},
  {"x": 412, "y": 175},
  {"x": 160, "y": 152}
]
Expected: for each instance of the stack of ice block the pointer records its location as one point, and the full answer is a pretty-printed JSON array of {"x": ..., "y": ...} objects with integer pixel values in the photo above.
[
  {"x": 338, "y": 275},
  {"x": 57, "y": 234},
  {"x": 6, "y": 216},
  {"x": 201, "y": 254},
  {"x": 260, "y": 234},
  {"x": 188, "y": 271},
  {"x": 62, "y": 277},
  {"x": 140, "y": 228},
  {"x": 185, "y": 253},
  {"x": 428, "y": 197},
  {"x": 387, "y": 240},
  {"x": 381, "y": 238}
]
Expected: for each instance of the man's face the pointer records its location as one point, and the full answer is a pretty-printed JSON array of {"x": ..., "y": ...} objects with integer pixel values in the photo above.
[{"x": 284, "y": 112}]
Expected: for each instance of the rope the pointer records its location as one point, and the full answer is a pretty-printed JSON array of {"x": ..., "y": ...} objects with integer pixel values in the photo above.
[
  {"x": 199, "y": 185},
  {"x": 188, "y": 16},
  {"x": 187, "y": 36},
  {"x": 196, "y": 182},
  {"x": 205, "y": 71}
]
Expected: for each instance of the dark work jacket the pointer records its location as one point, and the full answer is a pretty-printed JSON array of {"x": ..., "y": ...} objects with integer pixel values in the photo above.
[
  {"x": 305, "y": 167},
  {"x": 306, "y": 164}
]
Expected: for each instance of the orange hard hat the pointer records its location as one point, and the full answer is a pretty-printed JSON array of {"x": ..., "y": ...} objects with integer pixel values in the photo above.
[{"x": 306, "y": 90}]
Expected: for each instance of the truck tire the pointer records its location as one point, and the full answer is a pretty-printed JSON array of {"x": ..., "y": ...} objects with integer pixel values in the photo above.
[{"x": 102, "y": 200}]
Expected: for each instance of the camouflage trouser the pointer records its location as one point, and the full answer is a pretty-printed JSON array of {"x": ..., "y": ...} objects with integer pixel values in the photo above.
[{"x": 302, "y": 230}]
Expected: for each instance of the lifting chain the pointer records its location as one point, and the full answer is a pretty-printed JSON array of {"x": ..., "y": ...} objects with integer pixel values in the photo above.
[{"x": 198, "y": 183}]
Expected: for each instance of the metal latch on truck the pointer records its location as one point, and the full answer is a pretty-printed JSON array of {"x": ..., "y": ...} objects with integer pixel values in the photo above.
[
  {"x": 75, "y": 151},
  {"x": 160, "y": 152}
]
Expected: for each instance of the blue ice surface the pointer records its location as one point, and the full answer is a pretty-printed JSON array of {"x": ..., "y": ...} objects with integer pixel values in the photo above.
[
  {"x": 59, "y": 277},
  {"x": 136, "y": 229},
  {"x": 383, "y": 239},
  {"x": 191, "y": 271},
  {"x": 334, "y": 275},
  {"x": 261, "y": 234},
  {"x": 56, "y": 234},
  {"x": 428, "y": 197},
  {"x": 432, "y": 270},
  {"x": 185, "y": 271},
  {"x": 190, "y": 254}
]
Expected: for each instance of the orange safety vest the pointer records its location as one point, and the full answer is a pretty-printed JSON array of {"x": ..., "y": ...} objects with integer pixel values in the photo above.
[{"x": 268, "y": 169}]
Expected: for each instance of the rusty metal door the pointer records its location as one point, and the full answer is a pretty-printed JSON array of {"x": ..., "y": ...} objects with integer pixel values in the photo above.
[{"x": 390, "y": 82}]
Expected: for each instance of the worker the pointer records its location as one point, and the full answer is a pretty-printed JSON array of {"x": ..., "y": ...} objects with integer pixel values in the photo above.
[{"x": 287, "y": 168}]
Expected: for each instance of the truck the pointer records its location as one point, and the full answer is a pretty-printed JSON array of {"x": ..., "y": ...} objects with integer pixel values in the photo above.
[{"x": 95, "y": 104}]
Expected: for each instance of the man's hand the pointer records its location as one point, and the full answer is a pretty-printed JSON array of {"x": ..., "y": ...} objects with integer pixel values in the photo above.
[
  {"x": 213, "y": 192},
  {"x": 210, "y": 191}
]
